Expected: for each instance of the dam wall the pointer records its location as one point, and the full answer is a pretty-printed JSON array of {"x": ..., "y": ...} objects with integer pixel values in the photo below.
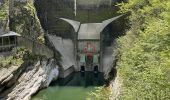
[{"x": 84, "y": 11}]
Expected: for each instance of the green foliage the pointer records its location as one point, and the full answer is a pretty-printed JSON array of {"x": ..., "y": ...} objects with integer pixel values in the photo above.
[
  {"x": 19, "y": 55},
  {"x": 4, "y": 8},
  {"x": 25, "y": 21},
  {"x": 101, "y": 93},
  {"x": 4, "y": 11},
  {"x": 145, "y": 51},
  {"x": 16, "y": 59}
]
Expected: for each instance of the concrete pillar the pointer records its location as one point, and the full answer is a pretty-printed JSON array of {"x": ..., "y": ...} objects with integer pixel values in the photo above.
[
  {"x": 101, "y": 53},
  {"x": 75, "y": 7}
]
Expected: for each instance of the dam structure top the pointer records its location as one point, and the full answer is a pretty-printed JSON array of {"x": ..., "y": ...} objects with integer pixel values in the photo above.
[{"x": 88, "y": 44}]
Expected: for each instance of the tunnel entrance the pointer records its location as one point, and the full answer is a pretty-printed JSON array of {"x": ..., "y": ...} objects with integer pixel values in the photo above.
[{"x": 82, "y": 69}]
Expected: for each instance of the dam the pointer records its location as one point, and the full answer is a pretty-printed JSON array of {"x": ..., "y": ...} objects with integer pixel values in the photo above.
[
  {"x": 82, "y": 32},
  {"x": 78, "y": 34},
  {"x": 86, "y": 51}
]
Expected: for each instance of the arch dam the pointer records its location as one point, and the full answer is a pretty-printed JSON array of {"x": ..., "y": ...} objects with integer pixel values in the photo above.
[{"x": 86, "y": 51}]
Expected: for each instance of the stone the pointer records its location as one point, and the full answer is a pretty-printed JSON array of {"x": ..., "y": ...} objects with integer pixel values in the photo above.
[{"x": 29, "y": 79}]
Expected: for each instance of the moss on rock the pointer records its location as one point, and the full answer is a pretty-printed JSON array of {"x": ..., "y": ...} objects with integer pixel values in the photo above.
[
  {"x": 24, "y": 21},
  {"x": 4, "y": 9}
]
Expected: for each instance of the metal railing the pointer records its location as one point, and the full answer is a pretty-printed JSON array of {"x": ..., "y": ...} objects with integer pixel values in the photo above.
[{"x": 5, "y": 48}]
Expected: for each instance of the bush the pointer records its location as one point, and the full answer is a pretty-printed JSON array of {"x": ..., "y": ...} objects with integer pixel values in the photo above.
[
  {"x": 144, "y": 65},
  {"x": 20, "y": 55},
  {"x": 101, "y": 93}
]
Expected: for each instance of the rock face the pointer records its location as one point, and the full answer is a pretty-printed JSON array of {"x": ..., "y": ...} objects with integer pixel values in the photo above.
[
  {"x": 20, "y": 83},
  {"x": 23, "y": 19},
  {"x": 116, "y": 88},
  {"x": 109, "y": 58}
]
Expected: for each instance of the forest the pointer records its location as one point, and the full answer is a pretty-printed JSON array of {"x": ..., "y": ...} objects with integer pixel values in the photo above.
[{"x": 144, "y": 64}]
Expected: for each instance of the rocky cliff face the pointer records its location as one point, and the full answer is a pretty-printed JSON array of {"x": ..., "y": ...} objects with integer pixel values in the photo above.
[
  {"x": 23, "y": 19},
  {"x": 20, "y": 83},
  {"x": 20, "y": 16},
  {"x": 4, "y": 13}
]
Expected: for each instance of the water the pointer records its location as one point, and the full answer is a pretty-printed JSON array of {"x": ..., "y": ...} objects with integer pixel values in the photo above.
[{"x": 74, "y": 87}]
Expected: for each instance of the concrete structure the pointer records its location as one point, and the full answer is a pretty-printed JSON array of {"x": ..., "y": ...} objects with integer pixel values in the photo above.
[
  {"x": 66, "y": 51},
  {"x": 8, "y": 40},
  {"x": 89, "y": 46},
  {"x": 85, "y": 11},
  {"x": 85, "y": 52}
]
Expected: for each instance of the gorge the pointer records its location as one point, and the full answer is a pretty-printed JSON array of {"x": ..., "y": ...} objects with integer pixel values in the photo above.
[{"x": 51, "y": 45}]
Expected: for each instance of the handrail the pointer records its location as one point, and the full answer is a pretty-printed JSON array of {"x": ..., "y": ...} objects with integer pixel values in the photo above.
[{"x": 6, "y": 46}]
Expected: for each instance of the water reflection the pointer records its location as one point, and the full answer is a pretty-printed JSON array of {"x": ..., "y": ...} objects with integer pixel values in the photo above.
[
  {"x": 74, "y": 87},
  {"x": 81, "y": 79}
]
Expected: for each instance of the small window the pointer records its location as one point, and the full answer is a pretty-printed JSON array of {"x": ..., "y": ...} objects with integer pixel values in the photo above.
[
  {"x": 0, "y": 41},
  {"x": 12, "y": 39},
  {"x": 5, "y": 41}
]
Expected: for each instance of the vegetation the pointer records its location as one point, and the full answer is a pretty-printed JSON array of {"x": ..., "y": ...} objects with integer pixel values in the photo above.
[
  {"x": 101, "y": 93},
  {"x": 4, "y": 8},
  {"x": 16, "y": 59},
  {"x": 19, "y": 56},
  {"x": 144, "y": 64},
  {"x": 24, "y": 20}
]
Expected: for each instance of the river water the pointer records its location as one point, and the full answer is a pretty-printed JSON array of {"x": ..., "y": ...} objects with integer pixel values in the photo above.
[{"x": 75, "y": 87}]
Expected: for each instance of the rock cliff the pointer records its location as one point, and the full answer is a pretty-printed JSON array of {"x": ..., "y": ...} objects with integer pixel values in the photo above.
[{"x": 20, "y": 83}]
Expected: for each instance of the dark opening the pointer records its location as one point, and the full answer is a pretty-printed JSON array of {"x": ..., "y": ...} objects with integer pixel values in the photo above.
[
  {"x": 82, "y": 69},
  {"x": 5, "y": 41},
  {"x": 12, "y": 39},
  {"x": 0, "y": 41},
  {"x": 89, "y": 60},
  {"x": 96, "y": 69},
  {"x": 112, "y": 76}
]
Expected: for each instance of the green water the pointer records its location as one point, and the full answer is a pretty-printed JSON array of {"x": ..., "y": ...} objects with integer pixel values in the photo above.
[{"x": 74, "y": 87}]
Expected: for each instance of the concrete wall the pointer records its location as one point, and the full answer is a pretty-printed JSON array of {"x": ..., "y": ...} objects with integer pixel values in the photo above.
[
  {"x": 83, "y": 44},
  {"x": 64, "y": 73},
  {"x": 86, "y": 11}
]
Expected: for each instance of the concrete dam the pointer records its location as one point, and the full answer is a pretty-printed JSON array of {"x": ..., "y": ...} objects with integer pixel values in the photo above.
[{"x": 81, "y": 32}]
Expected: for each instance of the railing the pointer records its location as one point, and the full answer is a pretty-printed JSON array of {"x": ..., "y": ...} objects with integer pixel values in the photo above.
[{"x": 4, "y": 48}]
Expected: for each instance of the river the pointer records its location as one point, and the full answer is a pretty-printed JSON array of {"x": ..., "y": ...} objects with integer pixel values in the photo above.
[{"x": 75, "y": 87}]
